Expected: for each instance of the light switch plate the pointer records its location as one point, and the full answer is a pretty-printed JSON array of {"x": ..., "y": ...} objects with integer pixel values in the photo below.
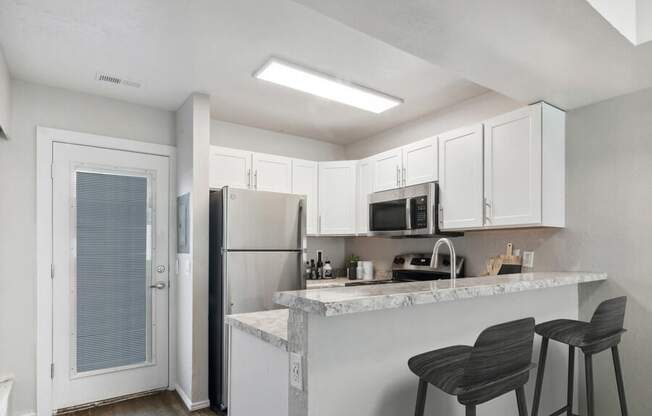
[
  {"x": 528, "y": 259},
  {"x": 296, "y": 373}
]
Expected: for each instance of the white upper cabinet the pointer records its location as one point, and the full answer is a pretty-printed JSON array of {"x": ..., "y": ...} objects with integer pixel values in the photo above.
[
  {"x": 460, "y": 179},
  {"x": 387, "y": 168},
  {"x": 337, "y": 197},
  {"x": 412, "y": 164},
  {"x": 365, "y": 187},
  {"x": 305, "y": 182},
  {"x": 420, "y": 162},
  {"x": 512, "y": 168},
  {"x": 272, "y": 173},
  {"x": 229, "y": 167},
  {"x": 524, "y": 168}
]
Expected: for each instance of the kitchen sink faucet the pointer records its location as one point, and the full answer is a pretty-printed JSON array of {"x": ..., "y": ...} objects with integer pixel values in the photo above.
[{"x": 434, "y": 260}]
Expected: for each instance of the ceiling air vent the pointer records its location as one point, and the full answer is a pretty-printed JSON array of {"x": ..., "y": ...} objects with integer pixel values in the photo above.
[{"x": 112, "y": 79}]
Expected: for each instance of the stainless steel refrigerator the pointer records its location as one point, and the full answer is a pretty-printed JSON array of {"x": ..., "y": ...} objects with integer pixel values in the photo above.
[{"x": 257, "y": 247}]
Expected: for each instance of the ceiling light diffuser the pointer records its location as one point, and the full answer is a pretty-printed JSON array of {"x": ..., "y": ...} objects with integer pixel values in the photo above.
[{"x": 325, "y": 86}]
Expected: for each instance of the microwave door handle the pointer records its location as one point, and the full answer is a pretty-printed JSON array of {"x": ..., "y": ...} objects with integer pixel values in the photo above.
[{"x": 408, "y": 217}]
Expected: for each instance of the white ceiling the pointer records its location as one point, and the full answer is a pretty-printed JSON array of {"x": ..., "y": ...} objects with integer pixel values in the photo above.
[
  {"x": 176, "y": 47},
  {"x": 560, "y": 51}
]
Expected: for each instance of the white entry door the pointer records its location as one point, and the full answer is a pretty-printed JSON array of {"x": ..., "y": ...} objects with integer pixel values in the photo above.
[{"x": 110, "y": 286}]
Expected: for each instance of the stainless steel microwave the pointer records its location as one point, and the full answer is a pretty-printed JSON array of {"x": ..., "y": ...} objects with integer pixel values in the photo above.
[{"x": 405, "y": 212}]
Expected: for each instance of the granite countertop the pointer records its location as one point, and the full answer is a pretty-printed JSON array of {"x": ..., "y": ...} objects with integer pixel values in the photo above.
[
  {"x": 347, "y": 300},
  {"x": 269, "y": 326}
]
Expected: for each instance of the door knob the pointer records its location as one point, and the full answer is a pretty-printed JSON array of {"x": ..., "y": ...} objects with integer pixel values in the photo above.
[
  {"x": 160, "y": 269},
  {"x": 159, "y": 285}
]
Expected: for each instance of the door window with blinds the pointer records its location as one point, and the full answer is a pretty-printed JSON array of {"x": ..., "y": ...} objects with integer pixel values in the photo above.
[{"x": 111, "y": 230}]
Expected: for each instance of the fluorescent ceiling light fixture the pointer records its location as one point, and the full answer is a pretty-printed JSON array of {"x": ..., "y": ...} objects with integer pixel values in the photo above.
[{"x": 325, "y": 86}]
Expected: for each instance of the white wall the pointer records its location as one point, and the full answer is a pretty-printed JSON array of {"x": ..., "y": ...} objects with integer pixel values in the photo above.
[
  {"x": 267, "y": 141},
  {"x": 467, "y": 112},
  {"x": 52, "y": 107},
  {"x": 193, "y": 142},
  {"x": 5, "y": 97}
]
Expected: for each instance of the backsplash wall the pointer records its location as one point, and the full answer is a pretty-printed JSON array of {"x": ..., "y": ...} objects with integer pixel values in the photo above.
[{"x": 475, "y": 246}]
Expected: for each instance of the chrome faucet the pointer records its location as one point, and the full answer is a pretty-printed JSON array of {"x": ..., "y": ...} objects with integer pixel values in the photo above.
[{"x": 434, "y": 260}]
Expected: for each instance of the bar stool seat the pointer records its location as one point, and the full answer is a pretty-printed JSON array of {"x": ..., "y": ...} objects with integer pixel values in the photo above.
[
  {"x": 498, "y": 363},
  {"x": 565, "y": 331}
]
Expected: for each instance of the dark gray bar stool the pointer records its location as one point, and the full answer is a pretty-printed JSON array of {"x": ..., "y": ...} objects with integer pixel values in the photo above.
[
  {"x": 499, "y": 362},
  {"x": 603, "y": 332}
]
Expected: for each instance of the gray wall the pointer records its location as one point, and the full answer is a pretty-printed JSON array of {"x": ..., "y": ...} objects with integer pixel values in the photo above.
[
  {"x": 266, "y": 141},
  {"x": 467, "y": 112},
  {"x": 5, "y": 97},
  {"x": 51, "y": 107},
  {"x": 608, "y": 175}
]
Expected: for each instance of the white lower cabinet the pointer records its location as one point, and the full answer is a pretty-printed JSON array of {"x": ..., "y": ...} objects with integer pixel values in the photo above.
[
  {"x": 337, "y": 197},
  {"x": 305, "y": 182},
  {"x": 272, "y": 173},
  {"x": 229, "y": 167},
  {"x": 460, "y": 179},
  {"x": 365, "y": 187}
]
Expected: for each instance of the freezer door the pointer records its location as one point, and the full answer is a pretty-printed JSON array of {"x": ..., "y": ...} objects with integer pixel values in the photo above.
[
  {"x": 258, "y": 220},
  {"x": 253, "y": 277}
]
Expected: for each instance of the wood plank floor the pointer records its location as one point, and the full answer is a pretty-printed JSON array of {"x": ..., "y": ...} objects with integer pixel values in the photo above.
[{"x": 166, "y": 403}]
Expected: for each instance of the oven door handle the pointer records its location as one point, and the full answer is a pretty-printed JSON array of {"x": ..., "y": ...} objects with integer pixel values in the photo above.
[{"x": 408, "y": 216}]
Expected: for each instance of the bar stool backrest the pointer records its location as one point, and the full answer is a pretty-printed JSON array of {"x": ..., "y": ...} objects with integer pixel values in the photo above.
[
  {"x": 608, "y": 319},
  {"x": 499, "y": 352}
]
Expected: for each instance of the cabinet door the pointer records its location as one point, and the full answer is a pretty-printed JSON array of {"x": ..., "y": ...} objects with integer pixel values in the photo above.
[
  {"x": 272, "y": 173},
  {"x": 337, "y": 186},
  {"x": 512, "y": 168},
  {"x": 365, "y": 187},
  {"x": 229, "y": 167},
  {"x": 305, "y": 182},
  {"x": 387, "y": 170},
  {"x": 420, "y": 162},
  {"x": 460, "y": 178}
]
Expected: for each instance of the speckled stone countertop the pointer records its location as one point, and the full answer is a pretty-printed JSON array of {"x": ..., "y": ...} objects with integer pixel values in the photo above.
[
  {"x": 347, "y": 300},
  {"x": 269, "y": 326}
]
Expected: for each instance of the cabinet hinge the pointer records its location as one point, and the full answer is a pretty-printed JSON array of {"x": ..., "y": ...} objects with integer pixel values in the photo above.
[
  {"x": 52, "y": 370},
  {"x": 52, "y": 170},
  {"x": 51, "y": 271}
]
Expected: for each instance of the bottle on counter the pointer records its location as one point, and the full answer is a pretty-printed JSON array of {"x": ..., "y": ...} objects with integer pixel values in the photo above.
[
  {"x": 328, "y": 270},
  {"x": 320, "y": 266},
  {"x": 306, "y": 272},
  {"x": 313, "y": 269}
]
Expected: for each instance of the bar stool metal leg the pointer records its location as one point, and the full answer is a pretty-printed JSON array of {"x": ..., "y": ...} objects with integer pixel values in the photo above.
[
  {"x": 571, "y": 380},
  {"x": 520, "y": 400},
  {"x": 540, "y": 370},
  {"x": 590, "y": 405},
  {"x": 470, "y": 410},
  {"x": 619, "y": 380},
  {"x": 421, "y": 398}
]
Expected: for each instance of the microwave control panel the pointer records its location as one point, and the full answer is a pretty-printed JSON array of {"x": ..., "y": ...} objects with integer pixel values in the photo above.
[{"x": 419, "y": 212}]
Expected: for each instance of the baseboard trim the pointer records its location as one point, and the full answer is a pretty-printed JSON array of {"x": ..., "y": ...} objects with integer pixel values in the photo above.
[{"x": 189, "y": 404}]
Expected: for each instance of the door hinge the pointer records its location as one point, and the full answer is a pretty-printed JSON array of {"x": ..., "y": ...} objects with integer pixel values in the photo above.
[
  {"x": 51, "y": 271},
  {"x": 52, "y": 370}
]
